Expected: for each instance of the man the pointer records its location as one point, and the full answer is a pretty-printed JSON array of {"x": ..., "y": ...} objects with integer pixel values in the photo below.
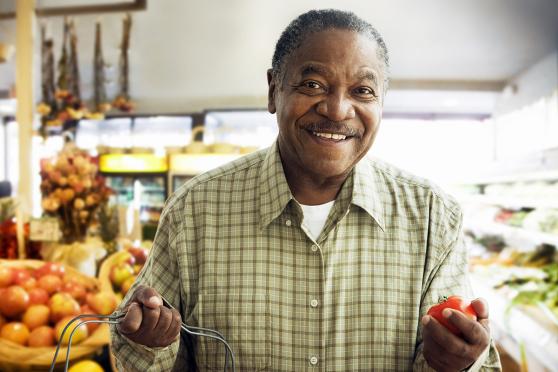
[{"x": 308, "y": 256}]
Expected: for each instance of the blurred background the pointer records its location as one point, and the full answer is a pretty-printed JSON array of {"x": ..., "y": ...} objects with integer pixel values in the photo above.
[{"x": 152, "y": 93}]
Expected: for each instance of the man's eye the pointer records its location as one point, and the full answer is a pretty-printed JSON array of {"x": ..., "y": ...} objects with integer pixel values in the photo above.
[
  {"x": 311, "y": 84},
  {"x": 365, "y": 91}
]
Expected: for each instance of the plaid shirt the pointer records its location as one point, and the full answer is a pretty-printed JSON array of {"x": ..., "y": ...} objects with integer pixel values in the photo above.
[{"x": 231, "y": 254}]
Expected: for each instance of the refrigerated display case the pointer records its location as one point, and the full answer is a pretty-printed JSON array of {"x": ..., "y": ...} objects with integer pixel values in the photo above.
[
  {"x": 227, "y": 135},
  {"x": 139, "y": 179},
  {"x": 511, "y": 224},
  {"x": 183, "y": 167},
  {"x": 135, "y": 132},
  {"x": 252, "y": 129}
]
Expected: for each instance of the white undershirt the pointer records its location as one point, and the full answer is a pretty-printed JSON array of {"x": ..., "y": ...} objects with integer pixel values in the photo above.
[{"x": 315, "y": 217}]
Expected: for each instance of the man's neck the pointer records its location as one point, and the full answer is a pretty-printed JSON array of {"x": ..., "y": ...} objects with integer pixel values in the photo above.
[{"x": 311, "y": 189}]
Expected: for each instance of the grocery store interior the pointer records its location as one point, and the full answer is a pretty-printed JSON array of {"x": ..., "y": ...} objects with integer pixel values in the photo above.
[{"x": 108, "y": 106}]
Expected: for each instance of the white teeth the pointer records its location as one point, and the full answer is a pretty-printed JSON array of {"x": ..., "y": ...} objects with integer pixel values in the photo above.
[{"x": 330, "y": 135}]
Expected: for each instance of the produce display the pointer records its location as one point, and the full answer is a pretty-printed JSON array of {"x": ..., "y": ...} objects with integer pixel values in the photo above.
[
  {"x": 540, "y": 289},
  {"x": 37, "y": 302},
  {"x": 8, "y": 233},
  {"x": 119, "y": 271},
  {"x": 512, "y": 235},
  {"x": 72, "y": 191},
  {"x": 526, "y": 277},
  {"x": 543, "y": 220}
]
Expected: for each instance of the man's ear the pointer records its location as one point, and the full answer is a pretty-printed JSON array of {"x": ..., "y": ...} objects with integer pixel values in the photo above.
[{"x": 271, "y": 92}]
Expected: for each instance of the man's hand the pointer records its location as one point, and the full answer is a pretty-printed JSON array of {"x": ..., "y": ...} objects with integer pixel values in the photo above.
[
  {"x": 447, "y": 352},
  {"x": 148, "y": 322}
]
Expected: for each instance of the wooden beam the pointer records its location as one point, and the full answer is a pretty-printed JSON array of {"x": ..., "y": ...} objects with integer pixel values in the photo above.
[
  {"x": 84, "y": 9},
  {"x": 25, "y": 103}
]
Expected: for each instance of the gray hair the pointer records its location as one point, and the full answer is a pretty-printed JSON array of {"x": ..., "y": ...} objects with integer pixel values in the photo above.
[{"x": 322, "y": 20}]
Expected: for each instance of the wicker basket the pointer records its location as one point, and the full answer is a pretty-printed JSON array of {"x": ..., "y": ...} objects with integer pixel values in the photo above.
[{"x": 14, "y": 357}]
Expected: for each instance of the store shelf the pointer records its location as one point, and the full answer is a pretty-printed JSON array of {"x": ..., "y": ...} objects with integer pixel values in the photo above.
[
  {"x": 510, "y": 202},
  {"x": 543, "y": 175},
  {"x": 516, "y": 236},
  {"x": 526, "y": 325}
]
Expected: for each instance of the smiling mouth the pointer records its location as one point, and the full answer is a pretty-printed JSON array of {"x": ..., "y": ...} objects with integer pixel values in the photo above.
[{"x": 331, "y": 136}]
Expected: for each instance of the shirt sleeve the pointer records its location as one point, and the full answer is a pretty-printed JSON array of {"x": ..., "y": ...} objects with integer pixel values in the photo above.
[
  {"x": 446, "y": 272},
  {"x": 161, "y": 273}
]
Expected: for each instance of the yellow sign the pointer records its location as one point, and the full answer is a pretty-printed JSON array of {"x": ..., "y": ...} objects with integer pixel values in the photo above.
[
  {"x": 193, "y": 164},
  {"x": 133, "y": 163}
]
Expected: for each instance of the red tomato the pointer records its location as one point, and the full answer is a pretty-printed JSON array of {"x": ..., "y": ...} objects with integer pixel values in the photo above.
[{"x": 453, "y": 302}]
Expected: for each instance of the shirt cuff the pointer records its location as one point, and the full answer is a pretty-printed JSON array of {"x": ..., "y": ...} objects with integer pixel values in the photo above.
[
  {"x": 475, "y": 367},
  {"x": 140, "y": 347}
]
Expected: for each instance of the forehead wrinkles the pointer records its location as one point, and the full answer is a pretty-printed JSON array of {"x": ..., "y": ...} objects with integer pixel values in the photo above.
[{"x": 322, "y": 52}]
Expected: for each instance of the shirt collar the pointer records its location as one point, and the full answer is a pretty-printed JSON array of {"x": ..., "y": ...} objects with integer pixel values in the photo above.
[
  {"x": 275, "y": 193},
  {"x": 367, "y": 191}
]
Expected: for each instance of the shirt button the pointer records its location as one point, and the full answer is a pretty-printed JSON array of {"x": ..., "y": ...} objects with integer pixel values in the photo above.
[
  {"x": 314, "y": 248},
  {"x": 288, "y": 223},
  {"x": 313, "y": 360},
  {"x": 314, "y": 303}
]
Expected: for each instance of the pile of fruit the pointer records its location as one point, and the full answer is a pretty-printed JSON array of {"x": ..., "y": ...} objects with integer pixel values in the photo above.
[
  {"x": 37, "y": 303},
  {"x": 123, "y": 267}
]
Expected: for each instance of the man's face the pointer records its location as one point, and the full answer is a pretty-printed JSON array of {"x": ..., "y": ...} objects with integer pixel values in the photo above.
[{"x": 329, "y": 103}]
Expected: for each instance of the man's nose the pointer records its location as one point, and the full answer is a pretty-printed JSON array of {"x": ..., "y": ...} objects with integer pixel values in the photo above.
[{"x": 336, "y": 107}]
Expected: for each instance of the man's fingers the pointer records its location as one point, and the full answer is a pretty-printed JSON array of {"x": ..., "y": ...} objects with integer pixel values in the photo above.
[
  {"x": 148, "y": 297},
  {"x": 446, "y": 340},
  {"x": 165, "y": 321},
  {"x": 472, "y": 330},
  {"x": 481, "y": 308},
  {"x": 147, "y": 321},
  {"x": 435, "y": 352},
  {"x": 174, "y": 328},
  {"x": 150, "y": 319},
  {"x": 132, "y": 320}
]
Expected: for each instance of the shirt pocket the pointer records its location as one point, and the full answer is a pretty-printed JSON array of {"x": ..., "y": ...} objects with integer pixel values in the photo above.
[{"x": 244, "y": 320}]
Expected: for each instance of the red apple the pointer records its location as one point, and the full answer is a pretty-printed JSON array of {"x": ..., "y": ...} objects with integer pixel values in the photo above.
[
  {"x": 20, "y": 275},
  {"x": 124, "y": 257},
  {"x": 139, "y": 253},
  {"x": 36, "y": 316},
  {"x": 79, "y": 335},
  {"x": 76, "y": 290},
  {"x": 14, "y": 301},
  {"x": 15, "y": 332},
  {"x": 38, "y": 296},
  {"x": 50, "y": 283},
  {"x": 62, "y": 305},
  {"x": 103, "y": 303},
  {"x": 6, "y": 276},
  {"x": 42, "y": 337},
  {"x": 52, "y": 268},
  {"x": 121, "y": 272},
  {"x": 29, "y": 283}
]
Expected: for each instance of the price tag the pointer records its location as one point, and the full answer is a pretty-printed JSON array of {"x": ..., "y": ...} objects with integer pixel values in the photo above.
[{"x": 45, "y": 229}]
